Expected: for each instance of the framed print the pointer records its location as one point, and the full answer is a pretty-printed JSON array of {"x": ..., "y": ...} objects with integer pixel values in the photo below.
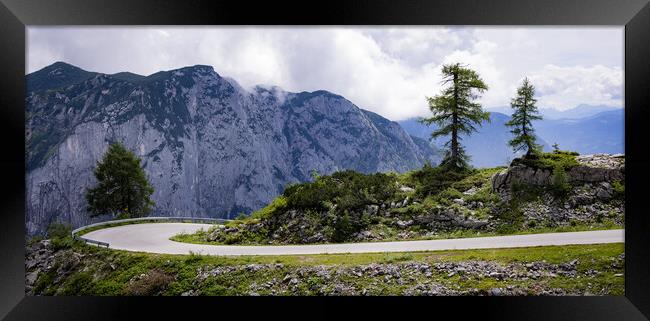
[{"x": 422, "y": 156}]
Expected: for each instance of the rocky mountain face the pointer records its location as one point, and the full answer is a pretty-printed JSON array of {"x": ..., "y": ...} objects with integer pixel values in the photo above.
[{"x": 209, "y": 147}]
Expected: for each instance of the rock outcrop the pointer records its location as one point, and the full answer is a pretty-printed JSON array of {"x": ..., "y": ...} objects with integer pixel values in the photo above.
[
  {"x": 596, "y": 168},
  {"x": 209, "y": 147}
]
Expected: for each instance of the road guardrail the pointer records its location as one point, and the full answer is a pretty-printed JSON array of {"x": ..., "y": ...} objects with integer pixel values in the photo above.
[{"x": 141, "y": 219}]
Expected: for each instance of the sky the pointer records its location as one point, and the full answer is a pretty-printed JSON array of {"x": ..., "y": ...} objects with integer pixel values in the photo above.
[{"x": 387, "y": 70}]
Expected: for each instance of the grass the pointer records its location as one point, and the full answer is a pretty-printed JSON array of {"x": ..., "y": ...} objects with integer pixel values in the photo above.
[
  {"x": 111, "y": 272},
  {"x": 549, "y": 161}
]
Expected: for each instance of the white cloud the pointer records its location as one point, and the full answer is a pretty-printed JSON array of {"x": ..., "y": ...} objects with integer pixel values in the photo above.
[
  {"x": 566, "y": 87},
  {"x": 385, "y": 70}
]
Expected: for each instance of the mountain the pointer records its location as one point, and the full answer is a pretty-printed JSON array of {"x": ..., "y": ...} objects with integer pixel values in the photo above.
[
  {"x": 599, "y": 133},
  {"x": 488, "y": 147},
  {"x": 580, "y": 111},
  {"x": 209, "y": 147}
]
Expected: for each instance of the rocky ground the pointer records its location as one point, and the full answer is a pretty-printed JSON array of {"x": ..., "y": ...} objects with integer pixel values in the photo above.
[{"x": 84, "y": 270}]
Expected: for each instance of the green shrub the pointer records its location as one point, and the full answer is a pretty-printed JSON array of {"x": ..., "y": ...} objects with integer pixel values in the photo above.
[
  {"x": 349, "y": 190},
  {"x": 59, "y": 235},
  {"x": 449, "y": 194},
  {"x": 78, "y": 284},
  {"x": 433, "y": 180},
  {"x": 278, "y": 205},
  {"x": 560, "y": 186},
  {"x": 619, "y": 189},
  {"x": 58, "y": 230},
  {"x": 343, "y": 228}
]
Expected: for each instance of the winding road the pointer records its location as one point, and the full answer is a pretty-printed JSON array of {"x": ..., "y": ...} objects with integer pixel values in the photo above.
[{"x": 154, "y": 238}]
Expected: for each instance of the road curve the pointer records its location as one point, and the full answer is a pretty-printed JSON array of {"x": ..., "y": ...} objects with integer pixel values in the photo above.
[{"x": 154, "y": 238}]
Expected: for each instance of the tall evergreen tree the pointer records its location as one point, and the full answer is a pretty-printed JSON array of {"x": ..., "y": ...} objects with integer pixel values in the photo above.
[
  {"x": 122, "y": 189},
  {"x": 524, "y": 113},
  {"x": 455, "y": 111}
]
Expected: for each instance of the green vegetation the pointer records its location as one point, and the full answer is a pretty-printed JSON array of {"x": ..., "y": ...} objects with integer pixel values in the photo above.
[
  {"x": 619, "y": 189},
  {"x": 525, "y": 112},
  {"x": 455, "y": 112},
  {"x": 60, "y": 236},
  {"x": 351, "y": 207},
  {"x": 199, "y": 237},
  {"x": 111, "y": 272},
  {"x": 549, "y": 161},
  {"x": 122, "y": 189}
]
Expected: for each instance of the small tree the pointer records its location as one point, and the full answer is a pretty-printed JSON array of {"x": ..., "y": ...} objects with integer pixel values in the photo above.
[
  {"x": 455, "y": 112},
  {"x": 122, "y": 189},
  {"x": 556, "y": 147},
  {"x": 525, "y": 112}
]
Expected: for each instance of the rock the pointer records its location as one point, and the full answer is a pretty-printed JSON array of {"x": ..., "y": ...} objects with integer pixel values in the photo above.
[
  {"x": 459, "y": 201},
  {"x": 406, "y": 189},
  {"x": 471, "y": 191},
  {"x": 495, "y": 292},
  {"x": 592, "y": 169},
  {"x": 31, "y": 277},
  {"x": 605, "y": 191},
  {"x": 404, "y": 224}
]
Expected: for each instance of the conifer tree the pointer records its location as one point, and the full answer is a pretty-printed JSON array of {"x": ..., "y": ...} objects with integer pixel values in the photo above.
[
  {"x": 455, "y": 112},
  {"x": 524, "y": 113},
  {"x": 122, "y": 189}
]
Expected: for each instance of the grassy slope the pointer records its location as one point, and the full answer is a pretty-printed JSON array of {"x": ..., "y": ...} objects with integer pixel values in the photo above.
[{"x": 110, "y": 272}]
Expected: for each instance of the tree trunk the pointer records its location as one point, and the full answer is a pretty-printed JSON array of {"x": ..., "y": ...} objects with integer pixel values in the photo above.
[{"x": 454, "y": 130}]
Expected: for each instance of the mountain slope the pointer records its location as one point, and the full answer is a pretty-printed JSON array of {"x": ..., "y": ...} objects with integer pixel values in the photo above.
[
  {"x": 600, "y": 133},
  {"x": 209, "y": 147}
]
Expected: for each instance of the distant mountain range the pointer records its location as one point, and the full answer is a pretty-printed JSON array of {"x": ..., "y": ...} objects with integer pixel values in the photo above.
[
  {"x": 209, "y": 147},
  {"x": 580, "y": 111},
  {"x": 601, "y": 132}
]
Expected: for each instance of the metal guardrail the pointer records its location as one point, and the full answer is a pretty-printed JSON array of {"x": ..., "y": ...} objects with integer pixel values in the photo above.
[{"x": 140, "y": 219}]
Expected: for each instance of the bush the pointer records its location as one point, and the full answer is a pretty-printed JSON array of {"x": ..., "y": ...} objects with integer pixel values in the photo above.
[
  {"x": 560, "y": 185},
  {"x": 449, "y": 194},
  {"x": 343, "y": 228},
  {"x": 433, "y": 180},
  {"x": 278, "y": 205},
  {"x": 619, "y": 189},
  {"x": 58, "y": 230},
  {"x": 152, "y": 283},
  {"x": 59, "y": 235},
  {"x": 349, "y": 190}
]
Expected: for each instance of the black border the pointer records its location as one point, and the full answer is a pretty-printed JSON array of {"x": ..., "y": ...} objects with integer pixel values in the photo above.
[{"x": 16, "y": 14}]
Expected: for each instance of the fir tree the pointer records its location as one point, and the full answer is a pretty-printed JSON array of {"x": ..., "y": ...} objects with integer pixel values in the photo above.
[
  {"x": 524, "y": 113},
  {"x": 455, "y": 112},
  {"x": 122, "y": 189}
]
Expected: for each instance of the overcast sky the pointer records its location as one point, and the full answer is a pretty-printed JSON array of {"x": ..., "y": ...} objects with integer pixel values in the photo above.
[{"x": 386, "y": 70}]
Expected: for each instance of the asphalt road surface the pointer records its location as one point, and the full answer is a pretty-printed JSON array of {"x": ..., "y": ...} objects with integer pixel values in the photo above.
[{"x": 154, "y": 238}]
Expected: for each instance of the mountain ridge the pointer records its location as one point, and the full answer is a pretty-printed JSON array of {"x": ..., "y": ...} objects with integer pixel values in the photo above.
[{"x": 209, "y": 147}]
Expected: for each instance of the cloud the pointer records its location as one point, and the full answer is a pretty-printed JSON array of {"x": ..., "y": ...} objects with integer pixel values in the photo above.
[
  {"x": 566, "y": 87},
  {"x": 385, "y": 70}
]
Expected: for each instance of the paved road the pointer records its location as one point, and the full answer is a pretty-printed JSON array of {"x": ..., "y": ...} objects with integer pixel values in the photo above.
[{"x": 154, "y": 238}]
